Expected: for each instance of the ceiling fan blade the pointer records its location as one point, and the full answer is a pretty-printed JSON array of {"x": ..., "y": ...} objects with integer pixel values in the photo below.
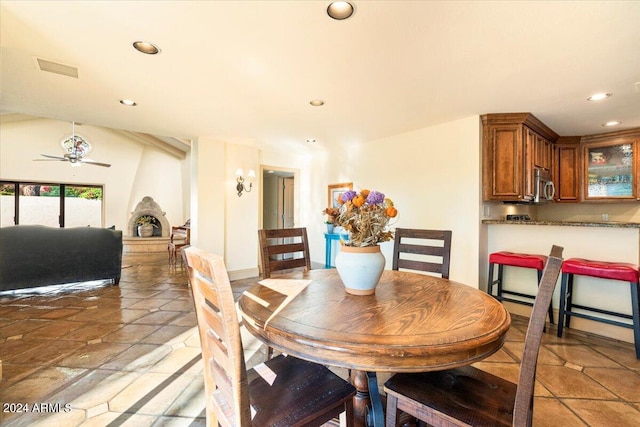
[
  {"x": 91, "y": 162},
  {"x": 54, "y": 157}
]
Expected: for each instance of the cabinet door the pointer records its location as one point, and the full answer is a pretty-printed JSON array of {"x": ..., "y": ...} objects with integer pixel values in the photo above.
[
  {"x": 544, "y": 150},
  {"x": 611, "y": 170},
  {"x": 503, "y": 171},
  {"x": 567, "y": 173},
  {"x": 530, "y": 148}
]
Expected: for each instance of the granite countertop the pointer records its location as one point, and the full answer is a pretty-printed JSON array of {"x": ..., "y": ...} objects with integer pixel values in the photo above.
[{"x": 610, "y": 224}]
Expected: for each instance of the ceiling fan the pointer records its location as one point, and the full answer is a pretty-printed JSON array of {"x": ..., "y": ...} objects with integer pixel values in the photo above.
[{"x": 76, "y": 147}]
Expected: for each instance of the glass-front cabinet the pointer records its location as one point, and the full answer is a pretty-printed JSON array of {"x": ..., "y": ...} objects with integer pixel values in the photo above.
[{"x": 611, "y": 168}]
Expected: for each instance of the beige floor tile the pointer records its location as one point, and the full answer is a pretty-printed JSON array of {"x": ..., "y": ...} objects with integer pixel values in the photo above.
[
  {"x": 565, "y": 382},
  {"x": 137, "y": 357},
  {"x": 165, "y": 334},
  {"x": 582, "y": 356},
  {"x": 14, "y": 328},
  {"x": 622, "y": 382},
  {"x": 93, "y": 355},
  {"x": 120, "y": 420},
  {"x": 191, "y": 402},
  {"x": 624, "y": 355},
  {"x": 91, "y": 332},
  {"x": 96, "y": 388},
  {"x": 67, "y": 419},
  {"x": 553, "y": 413},
  {"x": 187, "y": 360},
  {"x": 39, "y": 384},
  {"x": 130, "y": 333},
  {"x": 53, "y": 330},
  {"x": 605, "y": 413},
  {"x": 157, "y": 318},
  {"x": 150, "y": 394}
]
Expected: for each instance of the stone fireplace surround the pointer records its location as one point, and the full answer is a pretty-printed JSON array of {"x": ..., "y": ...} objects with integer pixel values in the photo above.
[{"x": 159, "y": 241}]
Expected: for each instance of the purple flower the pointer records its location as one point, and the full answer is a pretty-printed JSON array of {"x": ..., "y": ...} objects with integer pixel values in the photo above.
[
  {"x": 348, "y": 195},
  {"x": 375, "y": 198}
]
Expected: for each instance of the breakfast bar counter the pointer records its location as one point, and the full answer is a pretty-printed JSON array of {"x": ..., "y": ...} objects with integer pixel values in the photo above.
[
  {"x": 608, "y": 224},
  {"x": 597, "y": 240}
]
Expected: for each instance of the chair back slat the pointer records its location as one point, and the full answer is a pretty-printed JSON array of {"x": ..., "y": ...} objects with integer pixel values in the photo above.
[
  {"x": 283, "y": 249},
  {"x": 226, "y": 385},
  {"x": 523, "y": 407},
  {"x": 429, "y": 267},
  {"x": 286, "y": 248},
  {"x": 433, "y": 244}
]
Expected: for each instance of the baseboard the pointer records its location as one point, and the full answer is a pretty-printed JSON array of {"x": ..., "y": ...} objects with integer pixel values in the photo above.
[
  {"x": 244, "y": 274},
  {"x": 584, "y": 325}
]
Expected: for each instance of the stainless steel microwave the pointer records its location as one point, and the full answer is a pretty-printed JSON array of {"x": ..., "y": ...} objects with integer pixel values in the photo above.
[{"x": 544, "y": 190}]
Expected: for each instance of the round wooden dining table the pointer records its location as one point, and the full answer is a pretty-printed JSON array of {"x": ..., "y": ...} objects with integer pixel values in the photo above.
[{"x": 413, "y": 323}]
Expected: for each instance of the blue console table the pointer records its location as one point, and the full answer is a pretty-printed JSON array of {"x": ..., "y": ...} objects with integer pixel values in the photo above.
[{"x": 329, "y": 238}]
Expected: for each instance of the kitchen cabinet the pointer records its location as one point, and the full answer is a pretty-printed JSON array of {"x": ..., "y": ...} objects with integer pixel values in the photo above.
[
  {"x": 514, "y": 145},
  {"x": 610, "y": 166},
  {"x": 566, "y": 172}
]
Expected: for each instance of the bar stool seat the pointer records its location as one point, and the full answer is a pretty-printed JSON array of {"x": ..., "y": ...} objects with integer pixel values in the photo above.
[
  {"x": 621, "y": 271},
  {"x": 605, "y": 270},
  {"x": 515, "y": 259}
]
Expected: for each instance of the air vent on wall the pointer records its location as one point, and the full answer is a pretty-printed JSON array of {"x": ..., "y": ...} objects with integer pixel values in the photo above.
[{"x": 54, "y": 67}]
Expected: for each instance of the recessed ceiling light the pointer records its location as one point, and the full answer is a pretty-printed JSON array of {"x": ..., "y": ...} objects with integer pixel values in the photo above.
[
  {"x": 146, "y": 47},
  {"x": 317, "y": 102},
  {"x": 311, "y": 140},
  {"x": 340, "y": 10},
  {"x": 599, "y": 96},
  {"x": 612, "y": 123},
  {"x": 128, "y": 102}
]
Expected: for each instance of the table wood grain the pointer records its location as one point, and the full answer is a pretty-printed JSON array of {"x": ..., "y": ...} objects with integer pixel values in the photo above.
[{"x": 413, "y": 322}]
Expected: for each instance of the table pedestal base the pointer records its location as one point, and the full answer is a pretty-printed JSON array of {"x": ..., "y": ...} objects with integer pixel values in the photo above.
[{"x": 367, "y": 406}]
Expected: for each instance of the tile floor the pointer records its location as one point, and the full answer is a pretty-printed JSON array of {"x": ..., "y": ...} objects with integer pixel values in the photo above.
[{"x": 129, "y": 355}]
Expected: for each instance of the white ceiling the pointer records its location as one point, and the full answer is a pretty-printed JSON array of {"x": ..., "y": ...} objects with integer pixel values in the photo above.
[{"x": 245, "y": 71}]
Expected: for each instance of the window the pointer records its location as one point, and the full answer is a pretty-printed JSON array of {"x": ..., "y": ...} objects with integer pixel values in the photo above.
[{"x": 50, "y": 204}]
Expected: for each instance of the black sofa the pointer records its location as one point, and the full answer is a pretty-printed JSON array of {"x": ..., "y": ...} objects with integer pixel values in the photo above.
[{"x": 36, "y": 255}]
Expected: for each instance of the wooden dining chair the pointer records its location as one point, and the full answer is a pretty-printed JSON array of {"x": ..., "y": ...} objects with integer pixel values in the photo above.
[
  {"x": 283, "y": 249},
  {"x": 180, "y": 238},
  {"x": 284, "y": 391},
  {"x": 423, "y": 252},
  {"x": 468, "y": 396}
]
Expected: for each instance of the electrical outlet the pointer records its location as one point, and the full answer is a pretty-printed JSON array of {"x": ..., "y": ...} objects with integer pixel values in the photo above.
[{"x": 605, "y": 217}]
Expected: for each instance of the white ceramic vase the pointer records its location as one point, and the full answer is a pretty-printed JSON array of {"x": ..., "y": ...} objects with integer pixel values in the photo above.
[
  {"x": 360, "y": 268},
  {"x": 145, "y": 230}
]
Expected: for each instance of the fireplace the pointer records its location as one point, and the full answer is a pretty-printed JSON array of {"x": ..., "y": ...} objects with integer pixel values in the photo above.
[{"x": 148, "y": 207}]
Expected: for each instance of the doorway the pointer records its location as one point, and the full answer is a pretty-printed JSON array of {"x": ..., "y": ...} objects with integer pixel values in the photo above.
[{"x": 278, "y": 200}]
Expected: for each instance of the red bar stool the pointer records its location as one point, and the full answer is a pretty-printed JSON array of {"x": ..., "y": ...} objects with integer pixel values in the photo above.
[
  {"x": 604, "y": 270},
  {"x": 514, "y": 259}
]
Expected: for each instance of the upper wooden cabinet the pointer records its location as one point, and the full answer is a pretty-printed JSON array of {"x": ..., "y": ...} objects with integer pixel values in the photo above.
[
  {"x": 566, "y": 172},
  {"x": 611, "y": 166},
  {"x": 514, "y": 145}
]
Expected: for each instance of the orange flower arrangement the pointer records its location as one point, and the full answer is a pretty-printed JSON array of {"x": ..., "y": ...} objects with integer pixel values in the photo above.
[{"x": 365, "y": 216}]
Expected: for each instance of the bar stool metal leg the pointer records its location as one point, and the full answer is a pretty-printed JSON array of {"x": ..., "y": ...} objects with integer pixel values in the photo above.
[{"x": 635, "y": 307}]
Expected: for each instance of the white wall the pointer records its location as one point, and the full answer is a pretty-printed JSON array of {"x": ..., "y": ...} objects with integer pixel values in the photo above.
[
  {"x": 433, "y": 177},
  {"x": 136, "y": 170}
]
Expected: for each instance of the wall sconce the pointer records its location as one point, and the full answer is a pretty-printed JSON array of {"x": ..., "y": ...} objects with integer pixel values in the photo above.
[{"x": 240, "y": 180}]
